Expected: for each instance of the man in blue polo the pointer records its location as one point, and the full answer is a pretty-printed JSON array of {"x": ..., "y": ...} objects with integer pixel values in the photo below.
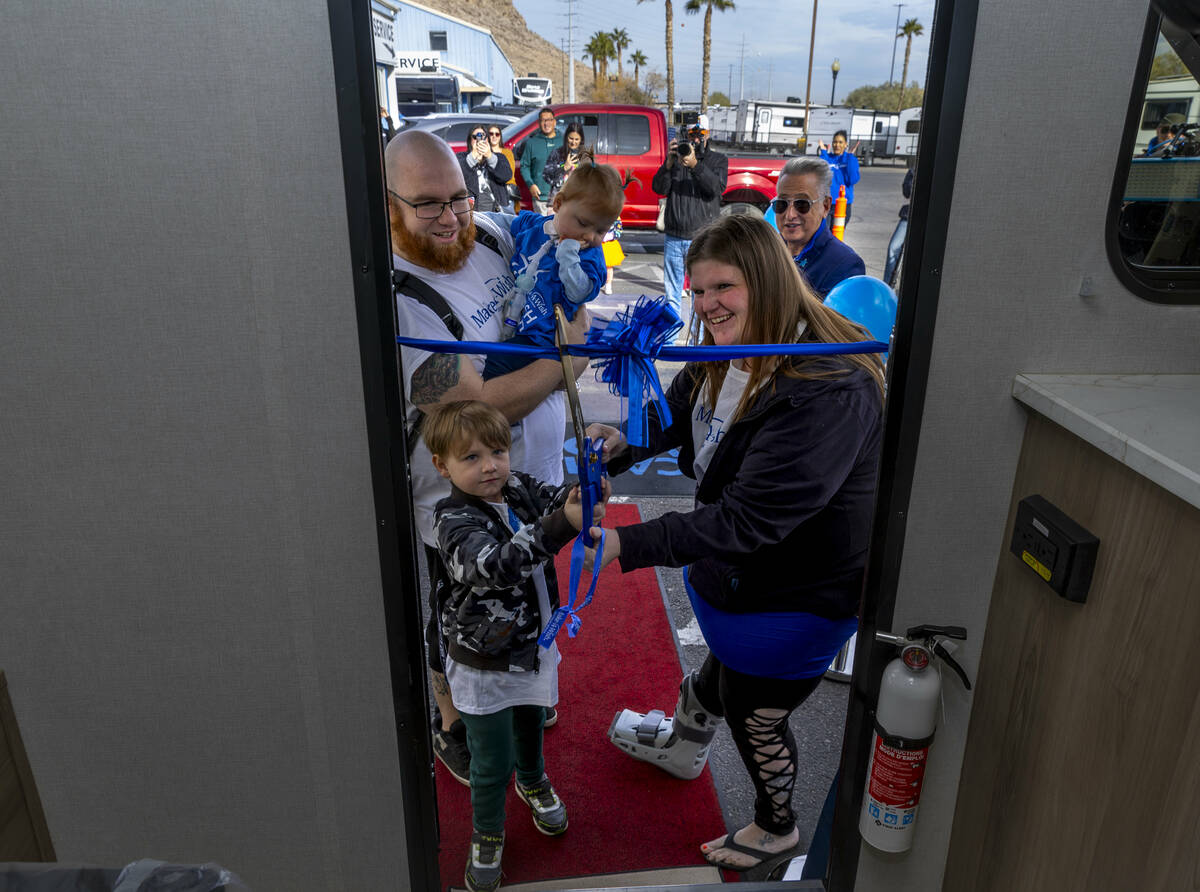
[{"x": 801, "y": 206}]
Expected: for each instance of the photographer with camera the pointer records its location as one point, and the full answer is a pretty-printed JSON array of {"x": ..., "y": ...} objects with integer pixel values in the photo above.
[{"x": 693, "y": 179}]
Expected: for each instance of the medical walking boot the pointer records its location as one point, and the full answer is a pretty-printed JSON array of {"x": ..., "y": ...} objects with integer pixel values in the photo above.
[{"x": 678, "y": 745}]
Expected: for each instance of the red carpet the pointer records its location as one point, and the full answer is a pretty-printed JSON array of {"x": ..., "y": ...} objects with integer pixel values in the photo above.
[{"x": 624, "y": 815}]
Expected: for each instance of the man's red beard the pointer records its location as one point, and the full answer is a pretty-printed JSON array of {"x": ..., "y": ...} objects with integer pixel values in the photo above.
[{"x": 425, "y": 251}]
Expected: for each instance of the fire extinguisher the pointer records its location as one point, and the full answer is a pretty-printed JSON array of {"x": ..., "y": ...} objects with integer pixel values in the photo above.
[{"x": 905, "y": 718}]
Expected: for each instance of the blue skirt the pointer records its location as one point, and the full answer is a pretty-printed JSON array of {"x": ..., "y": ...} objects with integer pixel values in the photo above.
[{"x": 788, "y": 644}]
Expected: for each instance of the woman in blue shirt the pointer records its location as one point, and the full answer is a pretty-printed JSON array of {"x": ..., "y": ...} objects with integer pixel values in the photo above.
[{"x": 843, "y": 162}]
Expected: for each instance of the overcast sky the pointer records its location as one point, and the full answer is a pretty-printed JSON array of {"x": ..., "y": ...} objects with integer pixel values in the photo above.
[{"x": 759, "y": 48}]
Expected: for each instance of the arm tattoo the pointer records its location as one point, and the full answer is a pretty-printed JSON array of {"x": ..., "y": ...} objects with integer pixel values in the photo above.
[
  {"x": 436, "y": 376},
  {"x": 440, "y": 685}
]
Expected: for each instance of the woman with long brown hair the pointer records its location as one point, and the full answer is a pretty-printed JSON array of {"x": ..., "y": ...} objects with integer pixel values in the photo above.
[{"x": 784, "y": 452}]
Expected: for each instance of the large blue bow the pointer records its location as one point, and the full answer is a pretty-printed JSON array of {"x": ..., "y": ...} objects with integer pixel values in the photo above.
[{"x": 632, "y": 341}]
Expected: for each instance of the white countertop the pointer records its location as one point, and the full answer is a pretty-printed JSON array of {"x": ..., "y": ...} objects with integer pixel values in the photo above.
[{"x": 1150, "y": 423}]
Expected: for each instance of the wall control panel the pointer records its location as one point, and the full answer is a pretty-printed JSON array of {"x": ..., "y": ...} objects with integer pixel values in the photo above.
[{"x": 1054, "y": 547}]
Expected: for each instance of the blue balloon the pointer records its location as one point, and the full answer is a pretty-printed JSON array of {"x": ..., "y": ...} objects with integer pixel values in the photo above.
[{"x": 867, "y": 301}]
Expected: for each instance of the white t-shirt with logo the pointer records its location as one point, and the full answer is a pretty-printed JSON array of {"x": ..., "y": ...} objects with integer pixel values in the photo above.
[
  {"x": 709, "y": 427},
  {"x": 476, "y": 295}
]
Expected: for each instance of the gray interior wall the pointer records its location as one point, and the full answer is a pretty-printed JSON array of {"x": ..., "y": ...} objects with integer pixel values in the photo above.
[
  {"x": 190, "y": 609},
  {"x": 1047, "y": 99}
]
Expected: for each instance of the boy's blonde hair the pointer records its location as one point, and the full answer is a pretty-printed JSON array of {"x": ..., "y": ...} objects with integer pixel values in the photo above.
[
  {"x": 452, "y": 426},
  {"x": 596, "y": 186}
]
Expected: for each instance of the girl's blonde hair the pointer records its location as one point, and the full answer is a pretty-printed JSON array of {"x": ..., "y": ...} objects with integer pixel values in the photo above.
[
  {"x": 452, "y": 426},
  {"x": 778, "y": 300},
  {"x": 597, "y": 186}
]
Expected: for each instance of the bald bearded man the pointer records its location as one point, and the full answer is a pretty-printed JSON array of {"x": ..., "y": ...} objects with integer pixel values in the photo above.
[{"x": 434, "y": 239}]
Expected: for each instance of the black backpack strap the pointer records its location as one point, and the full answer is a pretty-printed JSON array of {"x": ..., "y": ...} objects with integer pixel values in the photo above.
[
  {"x": 405, "y": 282},
  {"x": 484, "y": 235}
]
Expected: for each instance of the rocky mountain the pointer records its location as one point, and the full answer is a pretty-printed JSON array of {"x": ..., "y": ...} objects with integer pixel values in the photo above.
[{"x": 527, "y": 51}]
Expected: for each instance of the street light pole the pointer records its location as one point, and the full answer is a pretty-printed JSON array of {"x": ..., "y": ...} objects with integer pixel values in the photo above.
[
  {"x": 812, "y": 37},
  {"x": 895, "y": 37},
  {"x": 835, "y": 68}
]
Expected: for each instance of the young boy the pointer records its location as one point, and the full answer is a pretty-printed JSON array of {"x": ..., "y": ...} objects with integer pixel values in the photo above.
[{"x": 497, "y": 533}]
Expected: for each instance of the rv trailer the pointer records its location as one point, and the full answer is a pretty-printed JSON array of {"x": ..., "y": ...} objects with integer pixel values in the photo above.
[{"x": 532, "y": 90}]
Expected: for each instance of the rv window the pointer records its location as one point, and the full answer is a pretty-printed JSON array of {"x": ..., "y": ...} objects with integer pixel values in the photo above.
[
  {"x": 913, "y": 126},
  {"x": 1154, "y": 225},
  {"x": 437, "y": 40},
  {"x": 1156, "y": 110},
  {"x": 630, "y": 135},
  {"x": 794, "y": 122},
  {"x": 879, "y": 126}
]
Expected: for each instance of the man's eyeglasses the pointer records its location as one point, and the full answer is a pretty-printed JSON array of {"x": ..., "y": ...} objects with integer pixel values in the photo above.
[
  {"x": 802, "y": 205},
  {"x": 431, "y": 210}
]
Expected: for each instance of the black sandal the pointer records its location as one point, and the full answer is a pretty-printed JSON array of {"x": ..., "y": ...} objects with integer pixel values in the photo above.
[{"x": 768, "y": 862}]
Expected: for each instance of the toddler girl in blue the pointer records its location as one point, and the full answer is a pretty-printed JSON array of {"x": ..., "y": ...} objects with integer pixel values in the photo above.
[{"x": 558, "y": 259}]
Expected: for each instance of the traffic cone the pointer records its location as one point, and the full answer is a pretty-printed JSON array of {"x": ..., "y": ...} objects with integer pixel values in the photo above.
[{"x": 839, "y": 214}]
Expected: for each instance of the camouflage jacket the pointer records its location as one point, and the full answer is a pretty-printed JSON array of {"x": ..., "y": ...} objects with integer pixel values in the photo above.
[{"x": 490, "y": 615}]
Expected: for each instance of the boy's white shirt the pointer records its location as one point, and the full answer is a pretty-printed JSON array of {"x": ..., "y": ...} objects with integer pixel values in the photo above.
[{"x": 484, "y": 691}]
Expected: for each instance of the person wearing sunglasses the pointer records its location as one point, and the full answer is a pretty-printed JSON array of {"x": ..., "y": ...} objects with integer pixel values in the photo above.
[
  {"x": 801, "y": 206},
  {"x": 496, "y": 144},
  {"x": 486, "y": 172}
]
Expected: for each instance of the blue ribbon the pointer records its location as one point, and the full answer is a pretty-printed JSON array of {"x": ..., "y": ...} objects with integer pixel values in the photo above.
[
  {"x": 672, "y": 354},
  {"x": 591, "y": 489},
  {"x": 626, "y": 353}
]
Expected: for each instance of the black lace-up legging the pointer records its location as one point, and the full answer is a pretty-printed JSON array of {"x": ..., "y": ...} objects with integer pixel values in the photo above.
[{"x": 757, "y": 710}]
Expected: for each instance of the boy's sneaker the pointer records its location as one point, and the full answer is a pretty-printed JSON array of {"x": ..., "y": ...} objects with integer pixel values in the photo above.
[
  {"x": 551, "y": 717},
  {"x": 451, "y": 748},
  {"x": 549, "y": 813},
  {"x": 483, "y": 864}
]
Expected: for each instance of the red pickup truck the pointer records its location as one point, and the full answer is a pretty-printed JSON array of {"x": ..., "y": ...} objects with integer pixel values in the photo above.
[{"x": 633, "y": 139}]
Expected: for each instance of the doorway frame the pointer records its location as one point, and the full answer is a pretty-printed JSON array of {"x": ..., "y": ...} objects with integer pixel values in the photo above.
[{"x": 352, "y": 45}]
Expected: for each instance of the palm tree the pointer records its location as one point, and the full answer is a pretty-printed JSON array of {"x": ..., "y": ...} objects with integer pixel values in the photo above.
[
  {"x": 593, "y": 51},
  {"x": 693, "y": 7},
  {"x": 620, "y": 39},
  {"x": 602, "y": 49},
  {"x": 637, "y": 59},
  {"x": 909, "y": 29},
  {"x": 670, "y": 46}
]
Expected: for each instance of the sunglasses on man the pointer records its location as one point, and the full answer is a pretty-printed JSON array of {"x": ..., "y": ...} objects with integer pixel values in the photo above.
[{"x": 802, "y": 205}]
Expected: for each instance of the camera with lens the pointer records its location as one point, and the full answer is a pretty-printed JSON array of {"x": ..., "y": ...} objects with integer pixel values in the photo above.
[{"x": 683, "y": 149}]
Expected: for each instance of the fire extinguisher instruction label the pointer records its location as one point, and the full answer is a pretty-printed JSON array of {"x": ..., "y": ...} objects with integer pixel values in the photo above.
[{"x": 896, "y": 774}]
